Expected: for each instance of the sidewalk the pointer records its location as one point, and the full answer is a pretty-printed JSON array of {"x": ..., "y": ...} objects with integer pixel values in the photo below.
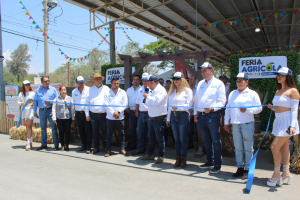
[{"x": 50, "y": 174}]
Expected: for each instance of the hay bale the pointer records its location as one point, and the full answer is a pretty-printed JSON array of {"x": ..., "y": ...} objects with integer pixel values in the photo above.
[
  {"x": 295, "y": 160},
  {"x": 267, "y": 141}
]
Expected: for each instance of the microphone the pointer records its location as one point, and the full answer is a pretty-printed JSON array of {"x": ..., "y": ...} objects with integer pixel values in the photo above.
[{"x": 146, "y": 91}]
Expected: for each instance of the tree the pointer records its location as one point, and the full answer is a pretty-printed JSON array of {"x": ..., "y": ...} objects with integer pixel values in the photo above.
[
  {"x": 97, "y": 59},
  {"x": 128, "y": 49},
  {"x": 18, "y": 65}
]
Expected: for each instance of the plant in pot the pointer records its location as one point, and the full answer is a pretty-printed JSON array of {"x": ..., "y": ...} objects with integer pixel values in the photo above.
[{"x": 263, "y": 99}]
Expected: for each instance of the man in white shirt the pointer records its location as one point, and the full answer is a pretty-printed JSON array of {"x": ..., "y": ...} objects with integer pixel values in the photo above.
[
  {"x": 116, "y": 102},
  {"x": 141, "y": 112},
  {"x": 157, "y": 110},
  {"x": 209, "y": 96},
  {"x": 97, "y": 114},
  {"x": 132, "y": 93},
  {"x": 79, "y": 96}
]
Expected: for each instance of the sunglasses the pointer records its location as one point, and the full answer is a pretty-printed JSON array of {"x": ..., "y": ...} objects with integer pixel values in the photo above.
[
  {"x": 161, "y": 82},
  {"x": 47, "y": 81},
  {"x": 279, "y": 75},
  {"x": 27, "y": 84},
  {"x": 176, "y": 79}
]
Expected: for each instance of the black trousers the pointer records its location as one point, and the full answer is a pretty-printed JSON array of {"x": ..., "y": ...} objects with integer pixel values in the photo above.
[
  {"x": 64, "y": 126},
  {"x": 85, "y": 129}
]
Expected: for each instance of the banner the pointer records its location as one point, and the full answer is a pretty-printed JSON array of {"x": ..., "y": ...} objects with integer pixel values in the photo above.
[
  {"x": 116, "y": 72},
  {"x": 11, "y": 99},
  {"x": 262, "y": 67},
  {"x": 180, "y": 68}
]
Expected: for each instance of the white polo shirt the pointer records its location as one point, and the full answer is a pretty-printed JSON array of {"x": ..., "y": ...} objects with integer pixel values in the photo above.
[
  {"x": 210, "y": 94},
  {"x": 157, "y": 102},
  {"x": 80, "y": 98},
  {"x": 96, "y": 97},
  {"x": 140, "y": 98},
  {"x": 246, "y": 98},
  {"x": 132, "y": 94},
  {"x": 119, "y": 99},
  {"x": 185, "y": 99}
]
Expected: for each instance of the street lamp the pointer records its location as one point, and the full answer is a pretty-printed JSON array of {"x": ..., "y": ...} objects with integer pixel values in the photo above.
[{"x": 257, "y": 30}]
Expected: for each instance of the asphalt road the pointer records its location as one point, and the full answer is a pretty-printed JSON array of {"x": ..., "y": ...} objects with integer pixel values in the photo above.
[{"x": 50, "y": 174}]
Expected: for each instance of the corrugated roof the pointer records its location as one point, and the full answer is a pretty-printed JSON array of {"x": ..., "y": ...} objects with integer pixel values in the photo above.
[{"x": 275, "y": 31}]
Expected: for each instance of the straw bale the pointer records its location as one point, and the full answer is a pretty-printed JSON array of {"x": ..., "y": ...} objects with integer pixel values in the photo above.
[{"x": 295, "y": 160}]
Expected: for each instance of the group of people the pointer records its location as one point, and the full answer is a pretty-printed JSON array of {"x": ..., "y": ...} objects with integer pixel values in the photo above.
[{"x": 153, "y": 108}]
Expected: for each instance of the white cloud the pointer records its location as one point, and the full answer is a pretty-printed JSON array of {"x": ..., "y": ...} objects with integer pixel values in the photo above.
[
  {"x": 33, "y": 70},
  {"x": 6, "y": 55}
]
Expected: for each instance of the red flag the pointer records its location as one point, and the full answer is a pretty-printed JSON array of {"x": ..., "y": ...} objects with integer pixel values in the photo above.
[
  {"x": 247, "y": 20},
  {"x": 297, "y": 44},
  {"x": 149, "y": 28},
  {"x": 232, "y": 52},
  {"x": 184, "y": 27},
  {"x": 282, "y": 47},
  {"x": 205, "y": 25},
  {"x": 138, "y": 28},
  {"x": 225, "y": 23},
  {"x": 180, "y": 68},
  {"x": 269, "y": 16},
  {"x": 270, "y": 49},
  {"x": 295, "y": 11}
]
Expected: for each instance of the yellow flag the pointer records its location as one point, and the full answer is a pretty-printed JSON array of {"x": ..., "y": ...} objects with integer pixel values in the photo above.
[
  {"x": 54, "y": 42},
  {"x": 275, "y": 15},
  {"x": 294, "y": 46},
  {"x": 65, "y": 55},
  {"x": 279, "y": 47},
  {"x": 230, "y": 22},
  {"x": 27, "y": 13},
  {"x": 191, "y": 25},
  {"x": 172, "y": 27},
  {"x": 101, "y": 40},
  {"x": 210, "y": 24},
  {"x": 252, "y": 19},
  {"x": 266, "y": 49},
  {"x": 92, "y": 52},
  {"x": 78, "y": 59},
  {"x": 41, "y": 30},
  {"x": 154, "y": 28},
  {"x": 241, "y": 51}
]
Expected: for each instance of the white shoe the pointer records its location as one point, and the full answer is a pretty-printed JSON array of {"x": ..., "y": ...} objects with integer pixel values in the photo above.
[
  {"x": 274, "y": 181},
  {"x": 289, "y": 178}
]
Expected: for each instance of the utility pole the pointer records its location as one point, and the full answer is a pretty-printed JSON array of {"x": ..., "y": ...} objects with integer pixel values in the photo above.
[
  {"x": 112, "y": 43},
  {"x": 2, "y": 89},
  {"x": 46, "y": 50},
  {"x": 69, "y": 74}
]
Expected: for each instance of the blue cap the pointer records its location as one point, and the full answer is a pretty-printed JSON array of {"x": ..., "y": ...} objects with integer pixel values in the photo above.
[{"x": 153, "y": 77}]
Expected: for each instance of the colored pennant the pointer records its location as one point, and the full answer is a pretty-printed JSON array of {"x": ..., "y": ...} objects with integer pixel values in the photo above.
[{"x": 27, "y": 13}]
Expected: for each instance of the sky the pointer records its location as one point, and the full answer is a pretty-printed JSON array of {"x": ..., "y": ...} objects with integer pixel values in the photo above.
[{"x": 71, "y": 28}]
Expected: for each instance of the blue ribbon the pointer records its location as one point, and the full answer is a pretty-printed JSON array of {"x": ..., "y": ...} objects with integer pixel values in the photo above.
[
  {"x": 251, "y": 172},
  {"x": 78, "y": 104},
  {"x": 26, "y": 103}
]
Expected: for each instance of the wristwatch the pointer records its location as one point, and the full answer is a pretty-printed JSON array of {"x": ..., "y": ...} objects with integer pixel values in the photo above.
[{"x": 118, "y": 112}]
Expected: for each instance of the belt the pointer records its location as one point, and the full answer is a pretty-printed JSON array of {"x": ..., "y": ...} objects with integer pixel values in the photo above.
[
  {"x": 143, "y": 111},
  {"x": 158, "y": 117},
  {"x": 45, "y": 108},
  {"x": 203, "y": 113},
  {"x": 97, "y": 112},
  {"x": 81, "y": 111}
]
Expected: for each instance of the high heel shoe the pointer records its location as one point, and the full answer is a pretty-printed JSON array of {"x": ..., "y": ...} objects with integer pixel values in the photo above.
[
  {"x": 289, "y": 178},
  {"x": 274, "y": 181},
  {"x": 29, "y": 145}
]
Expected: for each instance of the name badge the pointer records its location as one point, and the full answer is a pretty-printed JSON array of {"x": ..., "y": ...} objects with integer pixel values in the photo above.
[
  {"x": 76, "y": 95},
  {"x": 214, "y": 86}
]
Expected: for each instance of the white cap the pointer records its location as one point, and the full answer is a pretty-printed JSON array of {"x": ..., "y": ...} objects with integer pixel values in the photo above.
[
  {"x": 206, "y": 65},
  {"x": 241, "y": 75},
  {"x": 79, "y": 79},
  {"x": 26, "y": 82},
  {"x": 178, "y": 75},
  {"x": 145, "y": 76},
  {"x": 284, "y": 71},
  {"x": 169, "y": 80}
]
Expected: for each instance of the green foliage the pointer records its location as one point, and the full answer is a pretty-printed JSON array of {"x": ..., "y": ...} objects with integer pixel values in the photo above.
[
  {"x": 18, "y": 65},
  {"x": 109, "y": 66},
  {"x": 266, "y": 84},
  {"x": 97, "y": 59}
]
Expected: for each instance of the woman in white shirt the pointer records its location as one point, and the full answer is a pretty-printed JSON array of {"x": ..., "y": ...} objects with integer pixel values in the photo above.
[
  {"x": 27, "y": 114},
  {"x": 242, "y": 120},
  {"x": 62, "y": 115},
  {"x": 180, "y": 96}
]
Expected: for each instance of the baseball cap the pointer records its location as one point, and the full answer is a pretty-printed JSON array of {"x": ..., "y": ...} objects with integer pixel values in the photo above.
[
  {"x": 206, "y": 65},
  {"x": 145, "y": 76},
  {"x": 79, "y": 79},
  {"x": 223, "y": 76},
  {"x": 153, "y": 77},
  {"x": 284, "y": 71},
  {"x": 241, "y": 75},
  {"x": 178, "y": 75},
  {"x": 26, "y": 82},
  {"x": 169, "y": 80}
]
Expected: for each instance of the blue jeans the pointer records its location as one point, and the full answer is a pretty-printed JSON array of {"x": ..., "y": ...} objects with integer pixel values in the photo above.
[
  {"x": 209, "y": 126},
  {"x": 110, "y": 129},
  {"x": 243, "y": 143},
  {"x": 132, "y": 128},
  {"x": 44, "y": 115},
  {"x": 191, "y": 130},
  {"x": 99, "y": 119},
  {"x": 179, "y": 124},
  {"x": 142, "y": 130},
  {"x": 156, "y": 127}
]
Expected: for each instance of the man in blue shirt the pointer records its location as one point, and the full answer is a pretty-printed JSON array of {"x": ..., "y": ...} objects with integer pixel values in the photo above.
[{"x": 42, "y": 98}]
